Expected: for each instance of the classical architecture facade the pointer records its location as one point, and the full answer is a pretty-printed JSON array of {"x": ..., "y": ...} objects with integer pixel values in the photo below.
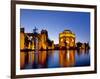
[
  {"x": 43, "y": 44},
  {"x": 22, "y": 37},
  {"x": 66, "y": 39},
  {"x": 35, "y": 40},
  {"x": 41, "y": 41}
]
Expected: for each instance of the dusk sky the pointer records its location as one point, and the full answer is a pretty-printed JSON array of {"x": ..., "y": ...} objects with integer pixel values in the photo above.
[{"x": 57, "y": 21}]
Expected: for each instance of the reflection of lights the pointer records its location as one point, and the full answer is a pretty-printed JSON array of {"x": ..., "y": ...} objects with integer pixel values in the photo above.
[{"x": 68, "y": 55}]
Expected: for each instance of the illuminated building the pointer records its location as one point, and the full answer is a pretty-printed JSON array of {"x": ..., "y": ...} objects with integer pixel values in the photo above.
[
  {"x": 66, "y": 39},
  {"x": 43, "y": 39},
  {"x": 22, "y": 36},
  {"x": 44, "y": 42},
  {"x": 32, "y": 41},
  {"x": 30, "y": 37}
]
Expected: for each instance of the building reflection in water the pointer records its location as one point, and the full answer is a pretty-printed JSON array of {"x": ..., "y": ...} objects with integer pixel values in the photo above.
[
  {"x": 26, "y": 58},
  {"x": 67, "y": 58},
  {"x": 33, "y": 59},
  {"x": 54, "y": 58},
  {"x": 42, "y": 56}
]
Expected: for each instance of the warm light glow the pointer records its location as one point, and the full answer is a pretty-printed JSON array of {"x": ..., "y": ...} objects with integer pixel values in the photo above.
[
  {"x": 67, "y": 35},
  {"x": 67, "y": 58},
  {"x": 21, "y": 40},
  {"x": 67, "y": 39}
]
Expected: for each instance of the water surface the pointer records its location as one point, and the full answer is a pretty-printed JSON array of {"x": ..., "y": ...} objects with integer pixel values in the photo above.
[{"x": 54, "y": 59}]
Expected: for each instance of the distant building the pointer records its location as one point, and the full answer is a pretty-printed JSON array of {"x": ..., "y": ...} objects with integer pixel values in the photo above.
[{"x": 66, "y": 39}]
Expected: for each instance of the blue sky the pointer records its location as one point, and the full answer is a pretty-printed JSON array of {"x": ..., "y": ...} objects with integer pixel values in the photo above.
[{"x": 57, "y": 21}]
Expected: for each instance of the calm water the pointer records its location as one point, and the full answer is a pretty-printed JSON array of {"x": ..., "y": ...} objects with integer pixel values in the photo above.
[{"x": 54, "y": 59}]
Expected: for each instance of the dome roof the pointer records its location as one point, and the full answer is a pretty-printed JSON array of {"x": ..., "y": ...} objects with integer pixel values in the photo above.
[{"x": 67, "y": 31}]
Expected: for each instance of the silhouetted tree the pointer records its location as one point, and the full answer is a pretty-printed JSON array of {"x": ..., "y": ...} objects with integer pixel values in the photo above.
[
  {"x": 86, "y": 46},
  {"x": 79, "y": 44}
]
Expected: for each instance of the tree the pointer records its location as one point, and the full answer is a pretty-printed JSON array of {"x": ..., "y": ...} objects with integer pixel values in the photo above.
[{"x": 79, "y": 45}]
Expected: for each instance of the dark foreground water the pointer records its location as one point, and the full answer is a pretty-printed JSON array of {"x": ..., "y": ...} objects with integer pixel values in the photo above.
[{"x": 54, "y": 59}]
